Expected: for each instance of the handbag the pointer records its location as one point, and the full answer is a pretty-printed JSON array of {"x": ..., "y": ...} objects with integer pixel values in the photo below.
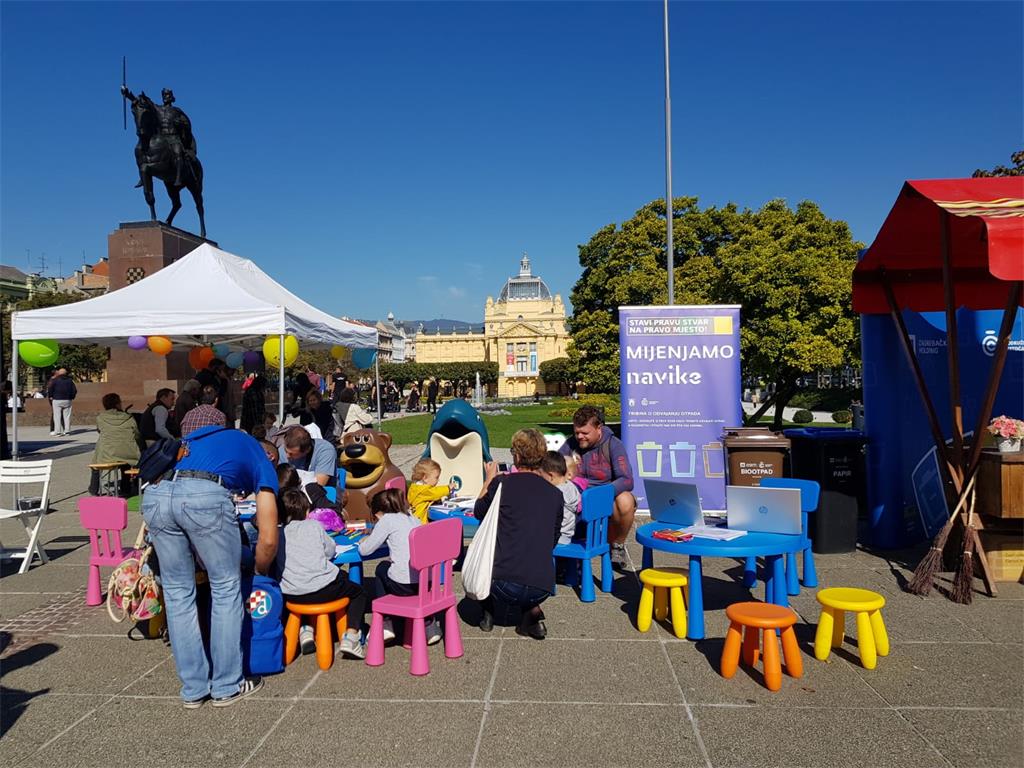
[
  {"x": 479, "y": 563},
  {"x": 132, "y": 590}
]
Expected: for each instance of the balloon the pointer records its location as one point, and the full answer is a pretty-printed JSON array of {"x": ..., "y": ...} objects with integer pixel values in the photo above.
[
  {"x": 337, "y": 352},
  {"x": 364, "y": 358},
  {"x": 272, "y": 348},
  {"x": 252, "y": 361},
  {"x": 234, "y": 359},
  {"x": 39, "y": 353},
  {"x": 221, "y": 351},
  {"x": 159, "y": 344},
  {"x": 136, "y": 342},
  {"x": 200, "y": 357}
]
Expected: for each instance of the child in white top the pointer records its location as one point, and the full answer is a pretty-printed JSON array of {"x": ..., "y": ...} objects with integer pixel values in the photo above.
[{"x": 553, "y": 468}]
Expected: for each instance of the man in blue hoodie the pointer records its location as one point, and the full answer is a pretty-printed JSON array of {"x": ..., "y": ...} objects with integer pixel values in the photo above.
[{"x": 601, "y": 458}]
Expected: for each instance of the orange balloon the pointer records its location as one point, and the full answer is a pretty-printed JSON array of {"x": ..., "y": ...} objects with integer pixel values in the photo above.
[
  {"x": 200, "y": 357},
  {"x": 159, "y": 344}
]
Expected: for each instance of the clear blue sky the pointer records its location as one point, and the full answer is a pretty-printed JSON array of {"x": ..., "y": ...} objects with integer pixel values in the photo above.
[{"x": 401, "y": 156}]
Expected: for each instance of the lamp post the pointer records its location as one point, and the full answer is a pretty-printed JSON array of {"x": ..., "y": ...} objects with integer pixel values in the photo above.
[{"x": 670, "y": 256}]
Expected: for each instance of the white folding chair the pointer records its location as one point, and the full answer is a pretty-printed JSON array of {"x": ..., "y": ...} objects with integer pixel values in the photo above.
[{"x": 18, "y": 501}]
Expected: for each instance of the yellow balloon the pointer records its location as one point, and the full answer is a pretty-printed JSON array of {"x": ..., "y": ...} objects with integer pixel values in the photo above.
[
  {"x": 272, "y": 349},
  {"x": 337, "y": 352}
]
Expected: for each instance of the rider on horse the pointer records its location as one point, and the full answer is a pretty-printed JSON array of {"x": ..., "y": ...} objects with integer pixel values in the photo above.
[{"x": 175, "y": 130}]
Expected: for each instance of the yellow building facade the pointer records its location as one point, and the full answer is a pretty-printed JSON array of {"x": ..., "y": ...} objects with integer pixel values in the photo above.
[{"x": 522, "y": 328}]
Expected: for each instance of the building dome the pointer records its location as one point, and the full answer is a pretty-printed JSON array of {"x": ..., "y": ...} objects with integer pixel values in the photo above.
[{"x": 525, "y": 286}]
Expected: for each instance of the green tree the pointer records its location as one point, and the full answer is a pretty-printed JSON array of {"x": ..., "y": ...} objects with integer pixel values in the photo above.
[
  {"x": 1017, "y": 169},
  {"x": 789, "y": 270},
  {"x": 559, "y": 370},
  {"x": 85, "y": 362}
]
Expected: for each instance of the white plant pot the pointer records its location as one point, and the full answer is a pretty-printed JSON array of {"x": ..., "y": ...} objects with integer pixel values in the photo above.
[{"x": 1008, "y": 444}]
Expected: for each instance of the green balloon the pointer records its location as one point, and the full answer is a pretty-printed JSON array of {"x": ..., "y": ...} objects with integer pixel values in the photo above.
[{"x": 39, "y": 353}]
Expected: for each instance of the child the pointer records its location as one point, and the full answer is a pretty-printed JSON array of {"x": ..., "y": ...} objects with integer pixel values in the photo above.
[
  {"x": 424, "y": 490},
  {"x": 304, "y": 556},
  {"x": 290, "y": 477},
  {"x": 393, "y": 526},
  {"x": 554, "y": 469}
]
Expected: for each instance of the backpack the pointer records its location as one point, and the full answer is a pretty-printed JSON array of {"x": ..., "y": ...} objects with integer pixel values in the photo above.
[
  {"x": 163, "y": 455},
  {"x": 262, "y": 630},
  {"x": 147, "y": 423}
]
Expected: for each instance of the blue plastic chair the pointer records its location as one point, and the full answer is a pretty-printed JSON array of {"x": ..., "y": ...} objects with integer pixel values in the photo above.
[
  {"x": 598, "y": 504},
  {"x": 810, "y": 492},
  {"x": 331, "y": 492}
]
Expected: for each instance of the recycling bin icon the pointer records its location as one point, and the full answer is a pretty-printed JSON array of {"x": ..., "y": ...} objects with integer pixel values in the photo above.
[
  {"x": 652, "y": 452},
  {"x": 683, "y": 458}
]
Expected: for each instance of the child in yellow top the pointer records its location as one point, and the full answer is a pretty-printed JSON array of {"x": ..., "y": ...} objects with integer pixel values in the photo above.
[{"x": 424, "y": 490}]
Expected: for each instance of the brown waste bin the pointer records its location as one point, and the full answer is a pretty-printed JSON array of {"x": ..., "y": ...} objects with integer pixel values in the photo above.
[{"x": 754, "y": 452}]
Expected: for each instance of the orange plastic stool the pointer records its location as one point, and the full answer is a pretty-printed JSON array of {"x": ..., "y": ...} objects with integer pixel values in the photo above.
[
  {"x": 755, "y": 617},
  {"x": 324, "y": 641}
]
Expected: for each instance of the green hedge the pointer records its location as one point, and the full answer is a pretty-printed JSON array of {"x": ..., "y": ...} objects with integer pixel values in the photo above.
[
  {"x": 825, "y": 399},
  {"x": 842, "y": 417},
  {"x": 610, "y": 404},
  {"x": 803, "y": 417}
]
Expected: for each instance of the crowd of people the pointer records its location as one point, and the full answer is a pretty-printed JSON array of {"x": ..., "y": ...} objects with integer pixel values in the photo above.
[{"x": 289, "y": 471}]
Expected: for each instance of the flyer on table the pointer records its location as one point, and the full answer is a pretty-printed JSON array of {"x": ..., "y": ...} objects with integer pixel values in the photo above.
[{"x": 680, "y": 374}]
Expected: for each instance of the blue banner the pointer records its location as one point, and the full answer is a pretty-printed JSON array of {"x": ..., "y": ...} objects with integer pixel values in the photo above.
[{"x": 680, "y": 383}]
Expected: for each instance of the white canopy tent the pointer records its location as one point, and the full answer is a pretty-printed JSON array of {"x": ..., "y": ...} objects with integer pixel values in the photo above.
[{"x": 208, "y": 296}]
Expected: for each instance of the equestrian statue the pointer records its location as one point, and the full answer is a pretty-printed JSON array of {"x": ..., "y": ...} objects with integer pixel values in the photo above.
[{"x": 166, "y": 150}]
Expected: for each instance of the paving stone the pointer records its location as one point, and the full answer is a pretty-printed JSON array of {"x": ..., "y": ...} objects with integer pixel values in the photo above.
[
  {"x": 593, "y": 735},
  {"x": 28, "y": 719},
  {"x": 777, "y": 737},
  {"x": 972, "y": 738},
  {"x": 398, "y": 734}
]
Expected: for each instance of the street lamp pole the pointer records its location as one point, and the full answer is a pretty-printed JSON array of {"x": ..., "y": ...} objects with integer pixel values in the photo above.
[{"x": 669, "y": 252}]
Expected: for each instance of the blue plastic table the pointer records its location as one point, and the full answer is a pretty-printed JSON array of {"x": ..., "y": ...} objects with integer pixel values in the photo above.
[
  {"x": 771, "y": 546},
  {"x": 352, "y": 558},
  {"x": 469, "y": 523}
]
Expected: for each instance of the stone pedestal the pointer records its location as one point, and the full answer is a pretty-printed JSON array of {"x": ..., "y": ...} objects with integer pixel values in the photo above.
[{"x": 136, "y": 250}]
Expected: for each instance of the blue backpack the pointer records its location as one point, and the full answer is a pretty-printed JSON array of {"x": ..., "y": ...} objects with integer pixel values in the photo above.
[{"x": 262, "y": 630}]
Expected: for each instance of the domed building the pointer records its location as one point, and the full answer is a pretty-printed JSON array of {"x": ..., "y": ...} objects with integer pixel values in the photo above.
[{"x": 522, "y": 328}]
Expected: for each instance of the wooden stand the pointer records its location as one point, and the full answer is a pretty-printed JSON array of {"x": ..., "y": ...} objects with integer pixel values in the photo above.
[{"x": 1001, "y": 484}]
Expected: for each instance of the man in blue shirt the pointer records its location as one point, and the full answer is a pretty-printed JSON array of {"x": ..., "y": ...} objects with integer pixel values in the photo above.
[
  {"x": 191, "y": 510},
  {"x": 308, "y": 453}
]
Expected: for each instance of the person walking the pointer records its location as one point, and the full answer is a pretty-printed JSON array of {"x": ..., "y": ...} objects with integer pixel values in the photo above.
[
  {"x": 432, "y": 396},
  {"x": 62, "y": 392},
  {"x": 191, "y": 510}
]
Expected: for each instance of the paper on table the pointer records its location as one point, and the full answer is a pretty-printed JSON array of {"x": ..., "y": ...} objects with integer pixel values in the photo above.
[
  {"x": 716, "y": 534},
  {"x": 342, "y": 548}
]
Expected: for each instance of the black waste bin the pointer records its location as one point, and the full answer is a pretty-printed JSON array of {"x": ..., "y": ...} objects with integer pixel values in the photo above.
[
  {"x": 753, "y": 453},
  {"x": 835, "y": 458}
]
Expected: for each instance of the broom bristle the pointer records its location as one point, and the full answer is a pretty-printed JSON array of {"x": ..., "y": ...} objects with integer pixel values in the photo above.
[
  {"x": 963, "y": 584},
  {"x": 924, "y": 574}
]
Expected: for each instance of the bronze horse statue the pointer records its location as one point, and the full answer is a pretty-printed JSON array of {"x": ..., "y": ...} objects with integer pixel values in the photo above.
[{"x": 166, "y": 151}]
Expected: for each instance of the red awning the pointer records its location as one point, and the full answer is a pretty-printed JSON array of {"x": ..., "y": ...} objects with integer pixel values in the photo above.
[{"x": 986, "y": 238}]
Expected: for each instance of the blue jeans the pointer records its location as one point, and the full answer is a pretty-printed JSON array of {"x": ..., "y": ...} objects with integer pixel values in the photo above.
[
  {"x": 185, "y": 515},
  {"x": 512, "y": 594}
]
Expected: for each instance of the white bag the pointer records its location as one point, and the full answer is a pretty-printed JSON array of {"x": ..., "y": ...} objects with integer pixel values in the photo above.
[{"x": 479, "y": 562}]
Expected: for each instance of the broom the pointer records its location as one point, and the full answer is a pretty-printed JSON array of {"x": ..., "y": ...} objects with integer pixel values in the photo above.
[
  {"x": 963, "y": 583},
  {"x": 924, "y": 575}
]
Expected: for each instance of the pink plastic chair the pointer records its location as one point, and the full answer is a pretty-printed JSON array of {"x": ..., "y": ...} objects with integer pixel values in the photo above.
[
  {"x": 104, "y": 517},
  {"x": 396, "y": 482},
  {"x": 432, "y": 548}
]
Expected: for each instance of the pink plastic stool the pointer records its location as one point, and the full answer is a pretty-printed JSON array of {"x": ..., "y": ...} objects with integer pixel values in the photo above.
[
  {"x": 104, "y": 517},
  {"x": 396, "y": 482},
  {"x": 432, "y": 548}
]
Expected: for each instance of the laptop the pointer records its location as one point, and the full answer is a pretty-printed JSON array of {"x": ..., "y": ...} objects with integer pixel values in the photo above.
[
  {"x": 675, "y": 503},
  {"x": 763, "y": 510}
]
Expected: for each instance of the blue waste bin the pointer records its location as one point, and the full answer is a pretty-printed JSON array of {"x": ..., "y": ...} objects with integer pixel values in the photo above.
[{"x": 835, "y": 458}]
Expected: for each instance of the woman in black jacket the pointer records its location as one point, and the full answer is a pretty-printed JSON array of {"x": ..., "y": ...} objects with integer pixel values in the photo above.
[{"x": 528, "y": 528}]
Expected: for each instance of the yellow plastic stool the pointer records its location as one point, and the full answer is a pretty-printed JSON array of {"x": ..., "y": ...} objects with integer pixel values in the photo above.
[
  {"x": 663, "y": 586},
  {"x": 872, "y": 640}
]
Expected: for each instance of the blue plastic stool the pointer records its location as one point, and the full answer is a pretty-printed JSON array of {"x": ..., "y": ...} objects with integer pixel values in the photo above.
[
  {"x": 598, "y": 504},
  {"x": 810, "y": 492}
]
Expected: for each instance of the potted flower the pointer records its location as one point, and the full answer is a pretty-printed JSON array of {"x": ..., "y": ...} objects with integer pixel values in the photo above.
[{"x": 1008, "y": 433}]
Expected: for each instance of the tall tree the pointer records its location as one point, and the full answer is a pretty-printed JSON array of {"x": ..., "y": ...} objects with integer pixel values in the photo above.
[
  {"x": 789, "y": 270},
  {"x": 1017, "y": 169}
]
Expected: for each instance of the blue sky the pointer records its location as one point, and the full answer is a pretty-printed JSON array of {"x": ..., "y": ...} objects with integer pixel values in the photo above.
[{"x": 383, "y": 156}]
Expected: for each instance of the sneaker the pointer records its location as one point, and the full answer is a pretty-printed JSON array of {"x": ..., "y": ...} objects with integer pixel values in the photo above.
[
  {"x": 53, "y": 433},
  {"x": 307, "y": 644},
  {"x": 389, "y": 630},
  {"x": 350, "y": 646},
  {"x": 538, "y": 630},
  {"x": 195, "y": 703},
  {"x": 619, "y": 558},
  {"x": 433, "y": 631},
  {"x": 248, "y": 687}
]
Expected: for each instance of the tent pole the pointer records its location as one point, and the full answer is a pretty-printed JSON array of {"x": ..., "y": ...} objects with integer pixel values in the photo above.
[
  {"x": 922, "y": 388},
  {"x": 952, "y": 345},
  {"x": 14, "y": 395},
  {"x": 376, "y": 368},
  {"x": 280, "y": 380}
]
